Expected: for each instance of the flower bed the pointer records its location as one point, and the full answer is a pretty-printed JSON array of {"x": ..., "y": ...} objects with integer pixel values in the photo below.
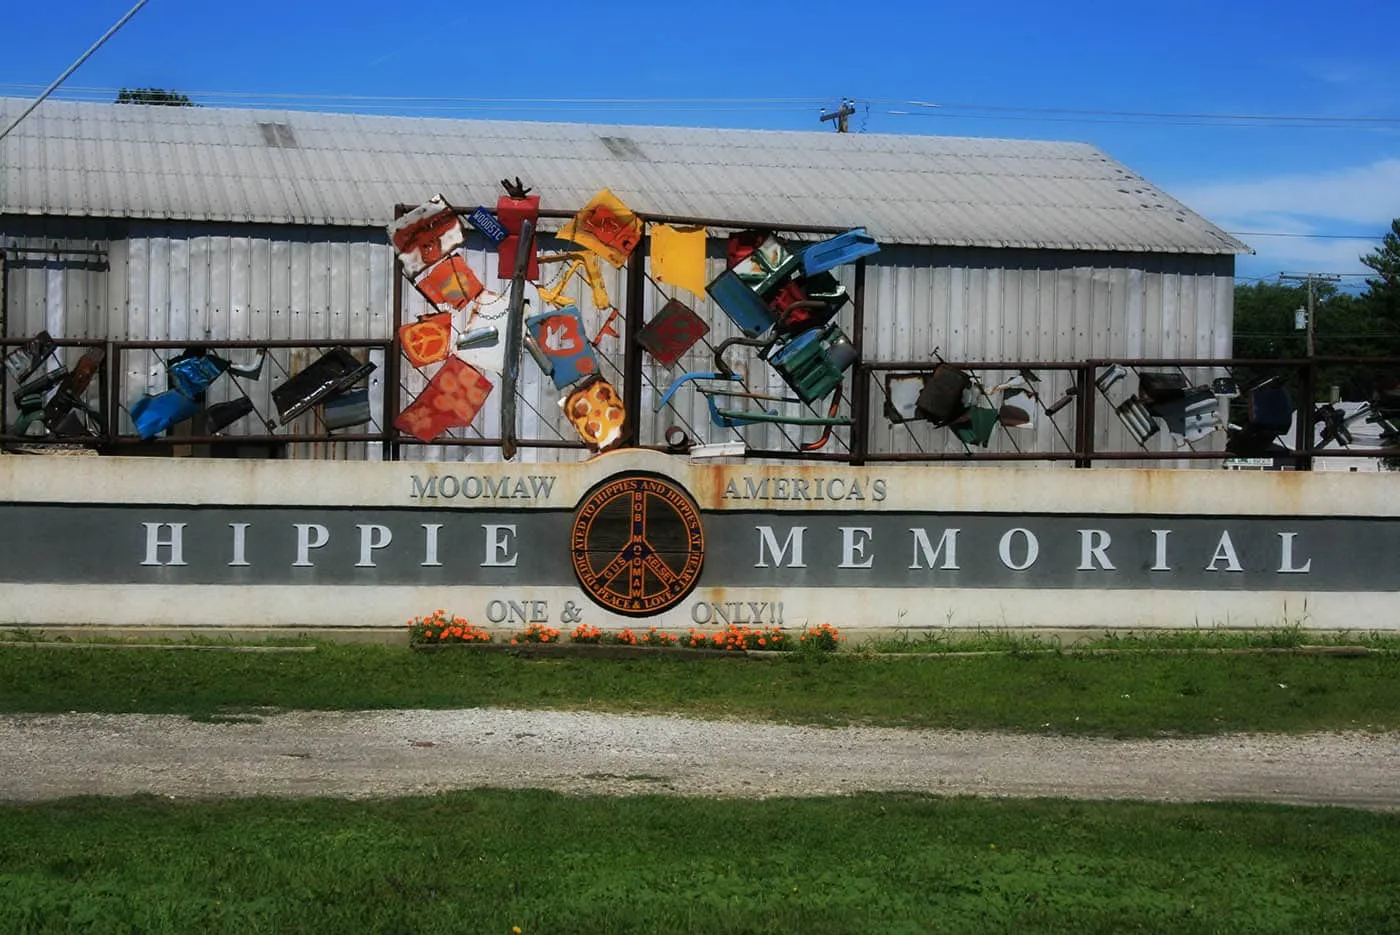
[
  {"x": 535, "y": 633},
  {"x": 439, "y": 629}
]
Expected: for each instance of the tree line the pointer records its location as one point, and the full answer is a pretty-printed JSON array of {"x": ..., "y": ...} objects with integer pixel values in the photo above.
[{"x": 1365, "y": 324}]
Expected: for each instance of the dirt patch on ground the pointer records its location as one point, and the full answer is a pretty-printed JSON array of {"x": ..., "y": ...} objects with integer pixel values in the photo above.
[{"x": 387, "y": 753}]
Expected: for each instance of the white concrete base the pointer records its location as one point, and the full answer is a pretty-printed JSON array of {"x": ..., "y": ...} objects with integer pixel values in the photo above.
[{"x": 216, "y": 606}]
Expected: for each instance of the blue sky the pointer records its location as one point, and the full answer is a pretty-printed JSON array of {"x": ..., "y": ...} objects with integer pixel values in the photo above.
[{"x": 1088, "y": 71}]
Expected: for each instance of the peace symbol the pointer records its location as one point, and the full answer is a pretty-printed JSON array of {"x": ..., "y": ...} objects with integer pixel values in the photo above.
[
  {"x": 427, "y": 340},
  {"x": 637, "y": 544}
]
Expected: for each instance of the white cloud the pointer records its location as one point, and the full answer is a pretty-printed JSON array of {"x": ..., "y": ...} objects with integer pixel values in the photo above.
[
  {"x": 1367, "y": 195},
  {"x": 1293, "y": 221},
  {"x": 1295, "y": 255}
]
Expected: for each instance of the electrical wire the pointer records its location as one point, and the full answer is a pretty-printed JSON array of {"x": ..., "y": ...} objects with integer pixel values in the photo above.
[
  {"x": 1245, "y": 119},
  {"x": 1368, "y": 237},
  {"x": 226, "y": 97}
]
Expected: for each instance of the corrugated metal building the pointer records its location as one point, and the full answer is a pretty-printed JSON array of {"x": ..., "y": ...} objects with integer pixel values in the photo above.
[{"x": 130, "y": 222}]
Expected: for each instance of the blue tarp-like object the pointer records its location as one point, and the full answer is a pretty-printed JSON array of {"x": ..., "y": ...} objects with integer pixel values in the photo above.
[
  {"x": 155, "y": 414},
  {"x": 193, "y": 375}
]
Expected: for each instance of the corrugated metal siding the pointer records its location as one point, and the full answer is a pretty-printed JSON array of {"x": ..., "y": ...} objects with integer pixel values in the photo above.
[
  {"x": 211, "y": 164},
  {"x": 193, "y": 283},
  {"x": 978, "y": 305},
  {"x": 183, "y": 282}
]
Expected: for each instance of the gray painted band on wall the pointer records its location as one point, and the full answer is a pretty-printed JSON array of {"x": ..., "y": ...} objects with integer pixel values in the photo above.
[{"x": 182, "y": 545}]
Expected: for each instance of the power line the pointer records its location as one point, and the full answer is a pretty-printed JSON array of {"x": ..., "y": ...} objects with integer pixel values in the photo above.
[
  {"x": 1143, "y": 122},
  {"x": 72, "y": 68},
  {"x": 924, "y": 108},
  {"x": 1165, "y": 115},
  {"x": 427, "y": 99},
  {"x": 1305, "y": 236}
]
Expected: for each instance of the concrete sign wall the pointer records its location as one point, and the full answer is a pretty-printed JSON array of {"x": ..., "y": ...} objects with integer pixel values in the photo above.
[{"x": 638, "y": 538}]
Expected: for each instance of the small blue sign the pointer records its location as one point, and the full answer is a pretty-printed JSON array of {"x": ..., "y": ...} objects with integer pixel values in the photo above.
[{"x": 486, "y": 222}]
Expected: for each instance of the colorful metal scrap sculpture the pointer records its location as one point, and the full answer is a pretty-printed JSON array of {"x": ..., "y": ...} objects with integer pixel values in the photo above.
[
  {"x": 607, "y": 227},
  {"x": 190, "y": 375},
  {"x": 596, "y": 412},
  {"x": 514, "y": 210},
  {"x": 671, "y": 332},
  {"x": 559, "y": 335},
  {"x": 426, "y": 234},
  {"x": 452, "y": 399}
]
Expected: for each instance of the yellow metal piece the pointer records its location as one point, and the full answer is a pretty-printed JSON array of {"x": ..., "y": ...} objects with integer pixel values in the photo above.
[
  {"x": 678, "y": 256},
  {"x": 554, "y": 295},
  {"x": 581, "y": 263},
  {"x": 594, "y": 275},
  {"x": 607, "y": 227}
]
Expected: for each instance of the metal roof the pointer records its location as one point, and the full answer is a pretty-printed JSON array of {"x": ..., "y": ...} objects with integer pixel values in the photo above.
[{"x": 280, "y": 167}]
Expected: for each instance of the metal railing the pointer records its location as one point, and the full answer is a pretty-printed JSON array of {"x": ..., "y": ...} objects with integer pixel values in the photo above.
[
  {"x": 1078, "y": 417},
  {"x": 133, "y": 370},
  {"x": 1063, "y": 410}
]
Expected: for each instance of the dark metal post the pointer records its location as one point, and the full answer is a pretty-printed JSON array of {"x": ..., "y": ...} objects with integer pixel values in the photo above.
[
  {"x": 1084, "y": 416},
  {"x": 515, "y": 327},
  {"x": 631, "y": 347},
  {"x": 393, "y": 394},
  {"x": 108, "y": 393},
  {"x": 1303, "y": 440},
  {"x": 860, "y": 391}
]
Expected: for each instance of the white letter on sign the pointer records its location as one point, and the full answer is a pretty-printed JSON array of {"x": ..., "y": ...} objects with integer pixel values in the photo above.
[
  {"x": 768, "y": 542},
  {"x": 372, "y": 536},
  {"x": 154, "y": 543},
  {"x": 1225, "y": 552},
  {"x": 922, "y": 546},
  {"x": 497, "y": 547},
  {"x": 1093, "y": 547},
  {"x": 305, "y": 543},
  {"x": 1285, "y": 565},
  {"x": 1032, "y": 549},
  {"x": 853, "y": 549}
]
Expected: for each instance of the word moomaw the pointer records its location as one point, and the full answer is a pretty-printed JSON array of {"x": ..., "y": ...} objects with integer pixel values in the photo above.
[{"x": 482, "y": 487}]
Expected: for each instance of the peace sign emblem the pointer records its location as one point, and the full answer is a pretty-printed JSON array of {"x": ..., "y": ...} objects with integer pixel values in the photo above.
[{"x": 637, "y": 544}]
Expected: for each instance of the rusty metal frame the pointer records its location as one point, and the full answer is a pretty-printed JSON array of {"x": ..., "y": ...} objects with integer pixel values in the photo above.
[
  {"x": 117, "y": 349},
  {"x": 1084, "y": 454},
  {"x": 100, "y": 380},
  {"x": 631, "y": 306}
]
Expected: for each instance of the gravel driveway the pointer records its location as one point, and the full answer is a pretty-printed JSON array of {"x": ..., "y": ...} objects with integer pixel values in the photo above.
[{"x": 382, "y": 753}]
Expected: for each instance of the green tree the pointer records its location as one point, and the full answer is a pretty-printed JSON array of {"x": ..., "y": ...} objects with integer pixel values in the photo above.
[
  {"x": 1385, "y": 262},
  {"x": 154, "y": 96},
  {"x": 1382, "y": 295},
  {"x": 1265, "y": 314},
  {"x": 1382, "y": 298}
]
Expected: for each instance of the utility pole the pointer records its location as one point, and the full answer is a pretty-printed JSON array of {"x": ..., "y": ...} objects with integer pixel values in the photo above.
[
  {"x": 1312, "y": 279},
  {"x": 1304, "y": 437},
  {"x": 841, "y": 115}
]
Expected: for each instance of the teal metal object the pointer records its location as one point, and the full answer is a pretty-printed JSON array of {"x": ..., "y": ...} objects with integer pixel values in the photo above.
[
  {"x": 749, "y": 418},
  {"x": 740, "y": 303},
  {"x": 724, "y": 418},
  {"x": 815, "y": 362},
  {"x": 735, "y": 418},
  {"x": 979, "y": 427},
  {"x": 839, "y": 250}
]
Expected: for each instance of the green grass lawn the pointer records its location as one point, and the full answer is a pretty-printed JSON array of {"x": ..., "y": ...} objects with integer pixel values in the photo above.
[
  {"x": 1133, "y": 694},
  {"x": 488, "y": 861}
]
